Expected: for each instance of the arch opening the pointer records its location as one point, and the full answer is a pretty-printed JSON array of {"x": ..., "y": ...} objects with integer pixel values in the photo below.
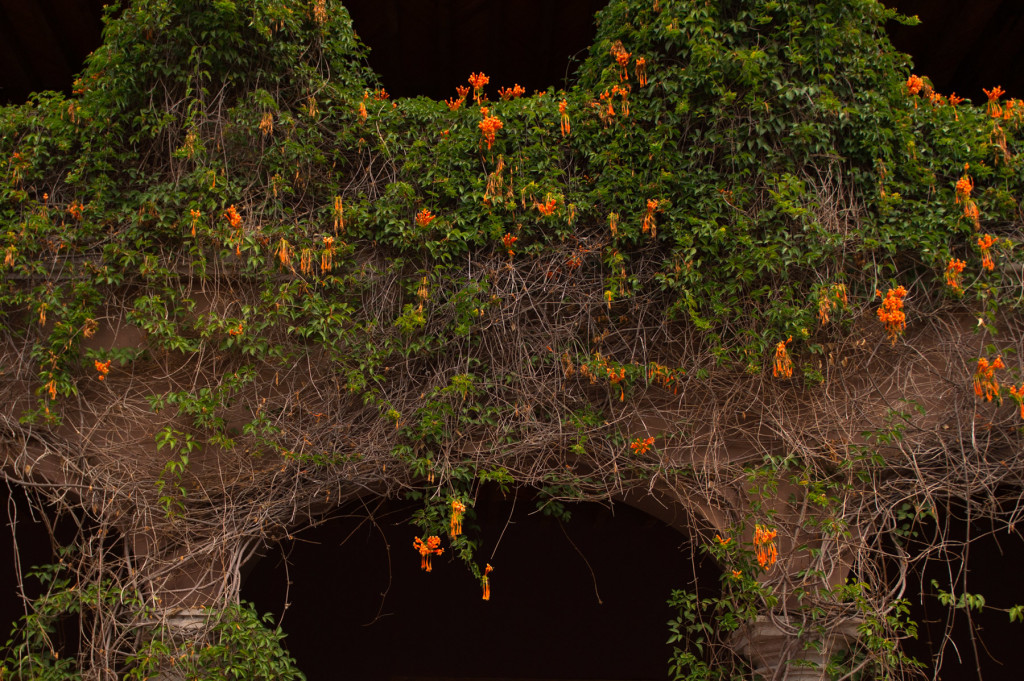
[{"x": 568, "y": 597}]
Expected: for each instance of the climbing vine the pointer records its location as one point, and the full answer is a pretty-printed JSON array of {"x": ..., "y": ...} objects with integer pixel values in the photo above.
[{"x": 243, "y": 286}]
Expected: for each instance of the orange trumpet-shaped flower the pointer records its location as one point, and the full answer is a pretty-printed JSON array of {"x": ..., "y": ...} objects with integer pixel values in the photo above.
[
  {"x": 1018, "y": 396},
  {"x": 546, "y": 208},
  {"x": 985, "y": 384},
  {"x": 993, "y": 100},
  {"x": 427, "y": 549},
  {"x": 103, "y": 368},
  {"x": 424, "y": 217},
  {"x": 954, "y": 275},
  {"x": 613, "y": 223},
  {"x": 764, "y": 546},
  {"x": 721, "y": 541},
  {"x": 489, "y": 127},
  {"x": 641, "y": 71},
  {"x": 964, "y": 187},
  {"x": 621, "y": 58},
  {"x": 649, "y": 225},
  {"x": 327, "y": 257},
  {"x": 478, "y": 81},
  {"x": 641, "y": 446},
  {"x": 783, "y": 365},
  {"x": 486, "y": 582},
  {"x": 891, "y": 312},
  {"x": 458, "y": 508},
  {"x": 829, "y": 298},
  {"x": 985, "y": 243},
  {"x": 508, "y": 240},
  {"x": 507, "y": 93},
  {"x": 914, "y": 84},
  {"x": 233, "y": 218},
  {"x": 565, "y": 118}
]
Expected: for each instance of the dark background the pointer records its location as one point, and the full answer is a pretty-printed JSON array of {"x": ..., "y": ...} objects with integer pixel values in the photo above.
[{"x": 427, "y": 47}]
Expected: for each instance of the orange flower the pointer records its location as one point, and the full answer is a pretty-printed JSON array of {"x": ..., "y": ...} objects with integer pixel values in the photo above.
[
  {"x": 737, "y": 574},
  {"x": 508, "y": 240},
  {"x": 641, "y": 71},
  {"x": 327, "y": 257},
  {"x": 487, "y": 582},
  {"x": 621, "y": 58},
  {"x": 641, "y": 446},
  {"x": 613, "y": 223},
  {"x": 103, "y": 368},
  {"x": 427, "y": 549},
  {"x": 993, "y": 95},
  {"x": 721, "y": 541},
  {"x": 195, "y": 219},
  {"x": 565, "y": 118},
  {"x": 339, "y": 215},
  {"x": 458, "y": 508},
  {"x": 236, "y": 331},
  {"x": 512, "y": 92},
  {"x": 649, "y": 225},
  {"x": 985, "y": 243},
  {"x": 914, "y": 84},
  {"x": 233, "y": 218},
  {"x": 954, "y": 272},
  {"x": 478, "y": 81},
  {"x": 489, "y": 126},
  {"x": 424, "y": 217},
  {"x": 362, "y": 111},
  {"x": 546, "y": 208},
  {"x": 75, "y": 209},
  {"x": 1018, "y": 397},
  {"x": 764, "y": 546},
  {"x": 964, "y": 186},
  {"x": 985, "y": 384},
  {"x": 829, "y": 298},
  {"x": 783, "y": 365},
  {"x": 284, "y": 252},
  {"x": 891, "y": 312}
]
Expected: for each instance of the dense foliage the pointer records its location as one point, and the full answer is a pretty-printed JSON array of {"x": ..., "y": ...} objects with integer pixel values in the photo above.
[{"x": 288, "y": 291}]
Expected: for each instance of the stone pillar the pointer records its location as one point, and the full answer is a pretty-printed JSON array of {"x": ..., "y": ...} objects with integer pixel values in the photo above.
[{"x": 776, "y": 653}]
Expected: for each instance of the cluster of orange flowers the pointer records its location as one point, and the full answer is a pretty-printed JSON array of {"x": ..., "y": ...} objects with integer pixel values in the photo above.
[
  {"x": 641, "y": 446},
  {"x": 621, "y": 58},
  {"x": 547, "y": 208},
  {"x": 613, "y": 223},
  {"x": 954, "y": 275},
  {"x": 486, "y": 582},
  {"x": 103, "y": 368},
  {"x": 267, "y": 123},
  {"x": 641, "y": 71},
  {"x": 233, "y": 218},
  {"x": 508, "y": 240},
  {"x": 662, "y": 375},
  {"x": 339, "y": 215},
  {"x": 1018, "y": 397},
  {"x": 427, "y": 549},
  {"x": 489, "y": 126},
  {"x": 891, "y": 312},
  {"x": 602, "y": 366},
  {"x": 76, "y": 209},
  {"x": 424, "y": 217},
  {"x": 236, "y": 330},
  {"x": 985, "y": 384},
  {"x": 195, "y": 219},
  {"x": 327, "y": 257},
  {"x": 993, "y": 95},
  {"x": 507, "y": 93},
  {"x": 783, "y": 365},
  {"x": 284, "y": 253},
  {"x": 565, "y": 118},
  {"x": 764, "y": 546},
  {"x": 830, "y": 298},
  {"x": 964, "y": 187},
  {"x": 914, "y": 84},
  {"x": 649, "y": 225},
  {"x": 985, "y": 243},
  {"x": 453, "y": 103},
  {"x": 458, "y": 508},
  {"x": 478, "y": 81}
]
